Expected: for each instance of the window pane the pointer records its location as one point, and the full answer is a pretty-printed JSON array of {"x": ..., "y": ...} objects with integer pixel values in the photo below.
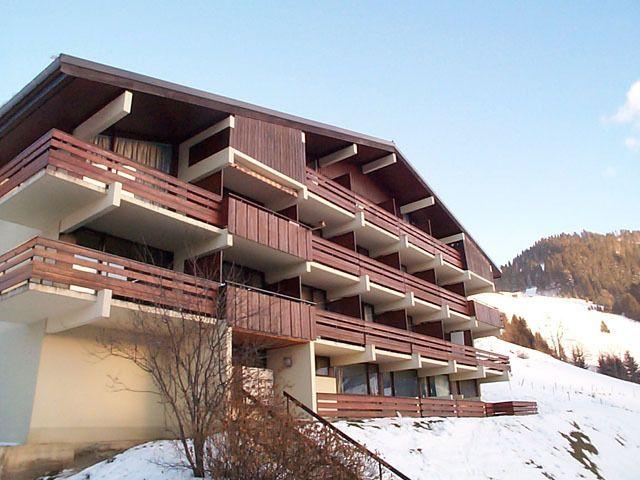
[
  {"x": 441, "y": 386},
  {"x": 406, "y": 383},
  {"x": 322, "y": 365},
  {"x": 468, "y": 388},
  {"x": 374, "y": 387},
  {"x": 387, "y": 384},
  {"x": 354, "y": 379}
]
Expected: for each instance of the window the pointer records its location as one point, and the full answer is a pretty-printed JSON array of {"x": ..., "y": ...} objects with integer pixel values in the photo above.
[
  {"x": 468, "y": 388},
  {"x": 353, "y": 379},
  {"x": 405, "y": 383},
  {"x": 323, "y": 366},
  {"x": 387, "y": 384},
  {"x": 439, "y": 386},
  {"x": 374, "y": 385}
]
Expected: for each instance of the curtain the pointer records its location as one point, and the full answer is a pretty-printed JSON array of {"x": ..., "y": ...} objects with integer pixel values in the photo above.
[{"x": 152, "y": 154}]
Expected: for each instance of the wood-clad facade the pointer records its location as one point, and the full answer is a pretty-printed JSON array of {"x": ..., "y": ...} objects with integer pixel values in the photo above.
[{"x": 323, "y": 246}]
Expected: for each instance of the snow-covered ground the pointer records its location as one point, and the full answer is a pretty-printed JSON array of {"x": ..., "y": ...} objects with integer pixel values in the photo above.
[
  {"x": 588, "y": 428},
  {"x": 573, "y": 320}
]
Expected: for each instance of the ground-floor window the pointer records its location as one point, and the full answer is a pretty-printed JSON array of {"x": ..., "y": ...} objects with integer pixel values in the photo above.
[
  {"x": 323, "y": 366},
  {"x": 352, "y": 379},
  {"x": 405, "y": 383},
  {"x": 438, "y": 386},
  {"x": 468, "y": 388},
  {"x": 366, "y": 379}
]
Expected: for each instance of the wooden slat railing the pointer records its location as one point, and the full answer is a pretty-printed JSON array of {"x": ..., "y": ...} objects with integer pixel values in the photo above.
[
  {"x": 486, "y": 314},
  {"x": 341, "y": 258},
  {"x": 69, "y": 266},
  {"x": 333, "y": 405},
  {"x": 352, "y": 202},
  {"x": 338, "y": 327},
  {"x": 59, "y": 151},
  {"x": 256, "y": 310},
  {"x": 258, "y": 224}
]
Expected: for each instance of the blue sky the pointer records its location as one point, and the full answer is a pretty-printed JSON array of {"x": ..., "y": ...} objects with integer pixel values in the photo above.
[{"x": 510, "y": 110}]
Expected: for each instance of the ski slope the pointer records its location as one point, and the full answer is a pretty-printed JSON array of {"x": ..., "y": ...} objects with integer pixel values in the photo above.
[{"x": 575, "y": 321}]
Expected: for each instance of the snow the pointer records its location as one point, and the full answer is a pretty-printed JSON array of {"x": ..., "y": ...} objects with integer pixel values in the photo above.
[
  {"x": 576, "y": 321},
  {"x": 159, "y": 460},
  {"x": 577, "y": 407}
]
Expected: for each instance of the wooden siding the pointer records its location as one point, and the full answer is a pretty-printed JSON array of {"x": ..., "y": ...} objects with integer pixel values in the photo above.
[
  {"x": 276, "y": 146},
  {"x": 341, "y": 258},
  {"x": 486, "y": 314},
  {"x": 258, "y": 311},
  {"x": 65, "y": 265},
  {"x": 58, "y": 151},
  {"x": 258, "y": 224},
  {"x": 473, "y": 258},
  {"x": 368, "y": 406},
  {"x": 343, "y": 197},
  {"x": 334, "y": 326}
]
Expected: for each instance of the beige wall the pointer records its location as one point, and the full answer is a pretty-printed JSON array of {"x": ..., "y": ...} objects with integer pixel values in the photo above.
[
  {"x": 20, "y": 346},
  {"x": 75, "y": 400},
  {"x": 299, "y": 378},
  {"x": 326, "y": 385}
]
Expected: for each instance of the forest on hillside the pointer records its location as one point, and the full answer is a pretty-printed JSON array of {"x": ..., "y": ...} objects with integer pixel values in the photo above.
[{"x": 602, "y": 268}]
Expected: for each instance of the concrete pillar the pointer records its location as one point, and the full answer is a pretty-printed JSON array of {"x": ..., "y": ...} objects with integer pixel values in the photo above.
[{"x": 294, "y": 371}]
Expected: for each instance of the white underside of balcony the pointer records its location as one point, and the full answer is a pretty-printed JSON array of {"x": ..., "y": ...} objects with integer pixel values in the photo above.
[
  {"x": 68, "y": 308},
  {"x": 52, "y": 200}
]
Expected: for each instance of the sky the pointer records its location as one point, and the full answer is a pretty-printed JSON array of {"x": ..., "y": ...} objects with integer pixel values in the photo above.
[{"x": 523, "y": 116}]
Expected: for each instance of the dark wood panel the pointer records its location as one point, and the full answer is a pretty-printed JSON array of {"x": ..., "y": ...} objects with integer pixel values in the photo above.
[
  {"x": 279, "y": 147},
  {"x": 269, "y": 314}
]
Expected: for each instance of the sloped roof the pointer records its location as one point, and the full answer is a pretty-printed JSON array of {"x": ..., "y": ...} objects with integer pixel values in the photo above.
[{"x": 65, "y": 68}]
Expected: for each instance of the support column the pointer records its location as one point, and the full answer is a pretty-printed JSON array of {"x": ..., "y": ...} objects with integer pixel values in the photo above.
[{"x": 294, "y": 371}]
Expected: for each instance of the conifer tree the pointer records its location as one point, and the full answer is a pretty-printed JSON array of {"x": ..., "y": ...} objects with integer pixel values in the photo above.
[{"x": 631, "y": 367}]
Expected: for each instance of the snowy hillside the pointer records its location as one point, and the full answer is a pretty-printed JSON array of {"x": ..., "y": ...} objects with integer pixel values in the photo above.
[
  {"x": 588, "y": 428},
  {"x": 573, "y": 320}
]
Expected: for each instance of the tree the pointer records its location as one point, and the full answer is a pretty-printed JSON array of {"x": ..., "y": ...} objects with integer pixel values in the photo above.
[
  {"x": 517, "y": 331},
  {"x": 179, "y": 337},
  {"x": 631, "y": 367},
  {"x": 577, "y": 357},
  {"x": 612, "y": 365},
  {"x": 603, "y": 327}
]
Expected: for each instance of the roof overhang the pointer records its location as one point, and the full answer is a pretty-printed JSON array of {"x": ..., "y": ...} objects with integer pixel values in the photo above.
[{"x": 70, "y": 89}]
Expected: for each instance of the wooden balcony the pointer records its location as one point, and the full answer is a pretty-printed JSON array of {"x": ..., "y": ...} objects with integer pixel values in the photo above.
[
  {"x": 257, "y": 311},
  {"x": 264, "y": 239},
  {"x": 335, "y": 256},
  {"x": 370, "y": 406},
  {"x": 43, "y": 278},
  {"x": 486, "y": 315},
  {"x": 62, "y": 180},
  {"x": 353, "y": 203},
  {"x": 342, "y": 328}
]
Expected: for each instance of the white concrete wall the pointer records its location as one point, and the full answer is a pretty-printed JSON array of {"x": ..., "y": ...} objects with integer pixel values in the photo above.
[
  {"x": 20, "y": 347},
  {"x": 12, "y": 235},
  {"x": 300, "y": 378},
  {"x": 75, "y": 400}
]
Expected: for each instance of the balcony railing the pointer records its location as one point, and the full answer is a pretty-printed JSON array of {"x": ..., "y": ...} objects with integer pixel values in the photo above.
[
  {"x": 57, "y": 151},
  {"x": 258, "y": 224},
  {"x": 260, "y": 311},
  {"x": 64, "y": 265},
  {"x": 341, "y": 258},
  {"x": 368, "y": 406},
  {"x": 352, "y": 202},
  {"x": 334, "y": 326},
  {"x": 486, "y": 314}
]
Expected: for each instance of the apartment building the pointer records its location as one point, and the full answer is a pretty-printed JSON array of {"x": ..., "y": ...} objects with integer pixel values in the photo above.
[{"x": 361, "y": 271}]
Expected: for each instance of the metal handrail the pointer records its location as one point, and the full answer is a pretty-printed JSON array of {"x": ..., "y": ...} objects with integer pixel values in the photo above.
[{"x": 380, "y": 461}]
